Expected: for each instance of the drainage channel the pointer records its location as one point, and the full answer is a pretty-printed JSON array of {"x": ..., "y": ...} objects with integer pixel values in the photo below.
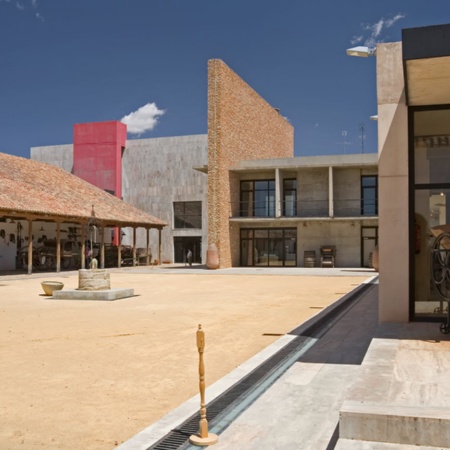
[{"x": 229, "y": 405}]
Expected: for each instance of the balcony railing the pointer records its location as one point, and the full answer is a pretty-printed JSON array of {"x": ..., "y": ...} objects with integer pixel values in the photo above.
[{"x": 306, "y": 208}]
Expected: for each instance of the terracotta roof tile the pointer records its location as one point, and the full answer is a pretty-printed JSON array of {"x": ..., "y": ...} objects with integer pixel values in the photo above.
[{"x": 34, "y": 187}]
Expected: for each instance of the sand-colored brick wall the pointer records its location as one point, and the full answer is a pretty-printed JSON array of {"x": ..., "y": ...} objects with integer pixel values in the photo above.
[{"x": 241, "y": 125}]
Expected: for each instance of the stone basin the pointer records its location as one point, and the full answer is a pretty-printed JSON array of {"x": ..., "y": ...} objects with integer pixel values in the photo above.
[{"x": 50, "y": 286}]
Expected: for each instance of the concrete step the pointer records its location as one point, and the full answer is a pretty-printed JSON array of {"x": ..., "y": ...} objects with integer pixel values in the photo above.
[
  {"x": 394, "y": 424},
  {"x": 349, "y": 444}
]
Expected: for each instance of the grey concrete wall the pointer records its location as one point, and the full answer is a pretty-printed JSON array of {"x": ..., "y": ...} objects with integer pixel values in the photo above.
[
  {"x": 155, "y": 173},
  {"x": 312, "y": 192},
  {"x": 159, "y": 171},
  {"x": 57, "y": 155},
  {"x": 393, "y": 185}
]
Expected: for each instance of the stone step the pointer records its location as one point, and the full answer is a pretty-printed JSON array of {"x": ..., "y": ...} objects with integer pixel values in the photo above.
[
  {"x": 350, "y": 444},
  {"x": 394, "y": 424}
]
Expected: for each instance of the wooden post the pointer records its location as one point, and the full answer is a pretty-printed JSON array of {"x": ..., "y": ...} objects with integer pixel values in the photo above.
[
  {"x": 134, "y": 246},
  {"x": 159, "y": 247},
  {"x": 83, "y": 246},
  {"x": 203, "y": 438},
  {"x": 30, "y": 246},
  {"x": 58, "y": 247},
  {"x": 102, "y": 247},
  {"x": 147, "y": 258},
  {"x": 119, "y": 248}
]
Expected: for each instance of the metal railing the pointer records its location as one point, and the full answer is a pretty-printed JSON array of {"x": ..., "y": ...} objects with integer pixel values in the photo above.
[{"x": 305, "y": 208}]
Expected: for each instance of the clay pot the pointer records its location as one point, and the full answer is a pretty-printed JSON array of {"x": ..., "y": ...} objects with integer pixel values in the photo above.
[{"x": 212, "y": 257}]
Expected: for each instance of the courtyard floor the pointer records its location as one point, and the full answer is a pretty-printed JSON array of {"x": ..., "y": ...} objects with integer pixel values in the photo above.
[{"x": 89, "y": 375}]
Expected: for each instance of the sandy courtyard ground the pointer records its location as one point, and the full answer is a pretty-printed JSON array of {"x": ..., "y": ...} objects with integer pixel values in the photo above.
[{"x": 89, "y": 375}]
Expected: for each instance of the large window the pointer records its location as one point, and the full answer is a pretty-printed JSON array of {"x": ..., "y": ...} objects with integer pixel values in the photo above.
[
  {"x": 188, "y": 214},
  {"x": 430, "y": 223},
  {"x": 273, "y": 247},
  {"x": 257, "y": 198},
  {"x": 290, "y": 197},
  {"x": 369, "y": 195}
]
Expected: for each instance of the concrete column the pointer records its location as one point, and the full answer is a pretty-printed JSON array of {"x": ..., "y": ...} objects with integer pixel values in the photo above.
[
  {"x": 278, "y": 193},
  {"x": 330, "y": 192},
  {"x": 393, "y": 185}
]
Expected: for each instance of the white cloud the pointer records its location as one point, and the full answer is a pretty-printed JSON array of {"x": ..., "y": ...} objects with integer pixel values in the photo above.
[
  {"x": 356, "y": 39},
  {"x": 376, "y": 29},
  {"x": 21, "y": 5},
  {"x": 143, "y": 119}
]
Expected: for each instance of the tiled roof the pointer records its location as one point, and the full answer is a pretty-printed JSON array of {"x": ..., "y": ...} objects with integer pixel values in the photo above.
[{"x": 35, "y": 188}]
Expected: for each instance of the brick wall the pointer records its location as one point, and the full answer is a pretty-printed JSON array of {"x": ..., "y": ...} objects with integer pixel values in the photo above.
[{"x": 241, "y": 125}]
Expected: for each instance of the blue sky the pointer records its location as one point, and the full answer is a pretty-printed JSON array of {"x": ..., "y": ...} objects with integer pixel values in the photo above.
[{"x": 72, "y": 61}]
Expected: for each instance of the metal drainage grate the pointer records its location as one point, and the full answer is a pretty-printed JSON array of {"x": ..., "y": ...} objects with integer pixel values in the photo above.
[{"x": 178, "y": 438}]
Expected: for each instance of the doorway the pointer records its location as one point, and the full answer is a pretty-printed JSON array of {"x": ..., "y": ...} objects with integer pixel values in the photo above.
[
  {"x": 369, "y": 240},
  {"x": 185, "y": 243}
]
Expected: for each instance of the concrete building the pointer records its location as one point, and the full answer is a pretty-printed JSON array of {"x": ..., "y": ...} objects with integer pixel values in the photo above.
[
  {"x": 413, "y": 89},
  {"x": 239, "y": 188},
  {"x": 153, "y": 174}
]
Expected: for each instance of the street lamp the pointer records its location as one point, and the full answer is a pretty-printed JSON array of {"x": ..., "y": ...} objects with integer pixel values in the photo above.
[{"x": 362, "y": 51}]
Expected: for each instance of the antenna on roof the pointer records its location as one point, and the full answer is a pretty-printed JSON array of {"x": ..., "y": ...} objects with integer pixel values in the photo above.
[{"x": 362, "y": 136}]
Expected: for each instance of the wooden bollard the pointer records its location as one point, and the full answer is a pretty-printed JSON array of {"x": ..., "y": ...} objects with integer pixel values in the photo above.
[{"x": 203, "y": 438}]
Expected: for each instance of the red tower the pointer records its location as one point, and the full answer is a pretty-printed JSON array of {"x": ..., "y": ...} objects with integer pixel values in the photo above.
[{"x": 97, "y": 154}]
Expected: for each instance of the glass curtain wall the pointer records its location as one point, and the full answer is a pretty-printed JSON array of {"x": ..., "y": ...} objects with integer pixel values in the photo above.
[
  {"x": 273, "y": 247},
  {"x": 430, "y": 240},
  {"x": 257, "y": 198},
  {"x": 290, "y": 197}
]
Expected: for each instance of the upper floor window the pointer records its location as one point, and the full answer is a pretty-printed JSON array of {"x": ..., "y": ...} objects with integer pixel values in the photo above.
[
  {"x": 257, "y": 198},
  {"x": 369, "y": 195},
  {"x": 188, "y": 214},
  {"x": 290, "y": 197}
]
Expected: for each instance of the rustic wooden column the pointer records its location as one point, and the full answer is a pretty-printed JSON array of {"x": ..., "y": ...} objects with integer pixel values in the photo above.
[
  {"x": 58, "y": 247},
  {"x": 147, "y": 258},
  {"x": 30, "y": 246},
  {"x": 102, "y": 247},
  {"x": 159, "y": 246},
  {"x": 134, "y": 246},
  {"x": 83, "y": 246},
  {"x": 119, "y": 248}
]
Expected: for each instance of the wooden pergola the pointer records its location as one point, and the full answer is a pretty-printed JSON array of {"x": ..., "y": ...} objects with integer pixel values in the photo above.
[{"x": 33, "y": 191}]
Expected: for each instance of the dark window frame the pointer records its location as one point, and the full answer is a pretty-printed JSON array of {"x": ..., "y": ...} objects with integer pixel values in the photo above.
[
  {"x": 187, "y": 217},
  {"x": 249, "y": 196},
  {"x": 366, "y": 206},
  {"x": 285, "y": 192}
]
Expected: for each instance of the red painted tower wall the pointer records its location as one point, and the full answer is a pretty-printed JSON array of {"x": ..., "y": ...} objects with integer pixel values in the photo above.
[{"x": 97, "y": 154}]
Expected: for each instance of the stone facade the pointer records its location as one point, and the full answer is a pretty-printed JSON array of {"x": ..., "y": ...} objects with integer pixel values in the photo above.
[{"x": 241, "y": 125}]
